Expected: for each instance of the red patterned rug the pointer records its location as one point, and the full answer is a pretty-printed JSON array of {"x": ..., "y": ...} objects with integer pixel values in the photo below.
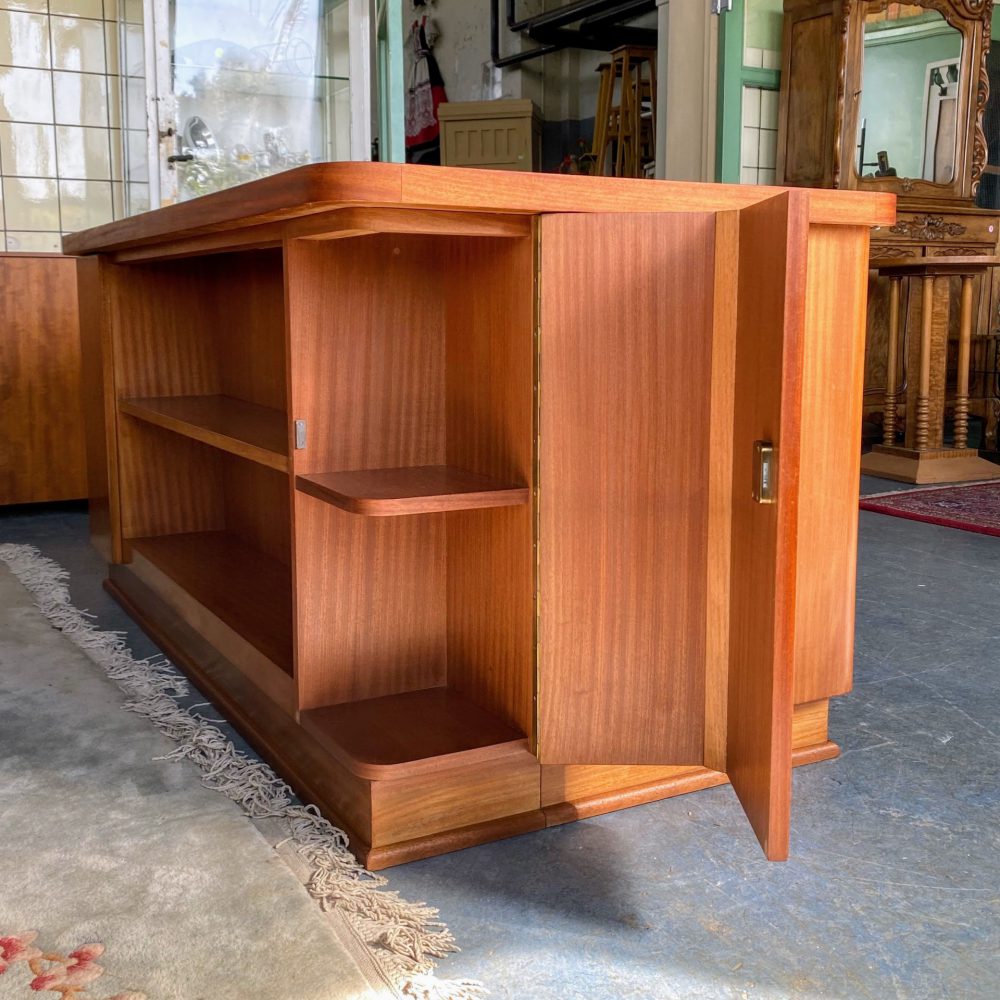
[{"x": 970, "y": 507}]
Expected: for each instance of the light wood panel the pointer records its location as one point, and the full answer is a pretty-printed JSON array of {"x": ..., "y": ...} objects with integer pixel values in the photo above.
[
  {"x": 581, "y": 785},
  {"x": 321, "y": 187},
  {"x": 626, "y": 353},
  {"x": 246, "y": 589},
  {"x": 273, "y": 679},
  {"x": 257, "y": 433},
  {"x": 257, "y": 506},
  {"x": 426, "y": 489},
  {"x": 720, "y": 479},
  {"x": 418, "y": 732},
  {"x": 42, "y": 444},
  {"x": 833, "y": 383},
  {"x": 168, "y": 483},
  {"x": 424, "y": 805},
  {"x": 489, "y": 417},
  {"x": 767, "y": 407}
]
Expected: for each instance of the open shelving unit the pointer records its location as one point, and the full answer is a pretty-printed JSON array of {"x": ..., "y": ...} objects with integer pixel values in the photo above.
[{"x": 440, "y": 483}]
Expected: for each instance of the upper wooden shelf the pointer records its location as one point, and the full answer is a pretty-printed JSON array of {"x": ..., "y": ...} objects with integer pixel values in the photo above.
[
  {"x": 424, "y": 489},
  {"x": 245, "y": 429},
  {"x": 417, "y": 732},
  {"x": 262, "y": 208}
]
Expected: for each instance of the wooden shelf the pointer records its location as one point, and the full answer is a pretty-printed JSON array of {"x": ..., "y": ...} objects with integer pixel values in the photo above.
[
  {"x": 424, "y": 489},
  {"x": 245, "y": 429},
  {"x": 245, "y": 588},
  {"x": 418, "y": 732}
]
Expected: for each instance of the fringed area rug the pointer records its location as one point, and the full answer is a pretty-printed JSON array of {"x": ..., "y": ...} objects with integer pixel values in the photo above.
[
  {"x": 970, "y": 507},
  {"x": 125, "y": 875}
]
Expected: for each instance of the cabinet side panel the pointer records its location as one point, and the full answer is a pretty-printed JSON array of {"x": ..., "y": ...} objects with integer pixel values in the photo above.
[
  {"x": 42, "y": 452},
  {"x": 99, "y": 409},
  {"x": 832, "y": 393},
  {"x": 490, "y": 415},
  {"x": 625, "y": 359}
]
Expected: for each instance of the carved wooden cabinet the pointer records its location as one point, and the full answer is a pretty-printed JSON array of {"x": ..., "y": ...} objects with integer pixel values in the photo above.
[
  {"x": 887, "y": 96},
  {"x": 442, "y": 482}
]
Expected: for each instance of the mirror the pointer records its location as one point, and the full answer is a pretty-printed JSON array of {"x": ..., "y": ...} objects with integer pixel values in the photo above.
[{"x": 908, "y": 121}]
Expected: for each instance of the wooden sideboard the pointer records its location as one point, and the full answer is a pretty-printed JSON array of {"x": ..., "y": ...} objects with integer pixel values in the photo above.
[
  {"x": 450, "y": 486},
  {"x": 42, "y": 454}
]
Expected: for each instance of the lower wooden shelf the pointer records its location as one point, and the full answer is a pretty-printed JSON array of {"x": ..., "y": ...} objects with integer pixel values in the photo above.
[
  {"x": 247, "y": 589},
  {"x": 417, "y": 732}
]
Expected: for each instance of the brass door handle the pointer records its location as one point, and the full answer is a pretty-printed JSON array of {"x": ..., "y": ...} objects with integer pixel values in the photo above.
[{"x": 765, "y": 473}]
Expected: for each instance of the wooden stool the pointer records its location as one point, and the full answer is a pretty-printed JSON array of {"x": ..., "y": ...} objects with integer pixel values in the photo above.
[
  {"x": 923, "y": 458},
  {"x": 626, "y": 113}
]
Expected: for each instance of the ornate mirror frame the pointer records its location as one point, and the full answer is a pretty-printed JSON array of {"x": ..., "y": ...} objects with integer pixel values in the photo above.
[{"x": 971, "y": 18}]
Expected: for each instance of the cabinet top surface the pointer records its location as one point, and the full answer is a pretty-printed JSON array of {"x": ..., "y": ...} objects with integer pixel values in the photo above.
[{"x": 323, "y": 187}]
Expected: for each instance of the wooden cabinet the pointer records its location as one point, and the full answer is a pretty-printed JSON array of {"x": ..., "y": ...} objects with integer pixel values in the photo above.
[
  {"x": 442, "y": 483},
  {"x": 42, "y": 454}
]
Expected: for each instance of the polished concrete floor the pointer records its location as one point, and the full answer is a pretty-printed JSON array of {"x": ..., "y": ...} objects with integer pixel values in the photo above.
[{"x": 892, "y": 890}]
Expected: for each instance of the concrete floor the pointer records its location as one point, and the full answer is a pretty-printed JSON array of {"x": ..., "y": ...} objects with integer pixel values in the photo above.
[{"x": 892, "y": 890}]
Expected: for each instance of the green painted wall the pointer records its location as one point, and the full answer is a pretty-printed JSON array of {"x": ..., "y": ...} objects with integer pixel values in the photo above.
[{"x": 892, "y": 98}]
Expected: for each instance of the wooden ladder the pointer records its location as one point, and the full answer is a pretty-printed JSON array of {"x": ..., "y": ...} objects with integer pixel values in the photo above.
[{"x": 625, "y": 124}]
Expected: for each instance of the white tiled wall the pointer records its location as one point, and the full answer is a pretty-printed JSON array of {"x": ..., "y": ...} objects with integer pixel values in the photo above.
[
  {"x": 71, "y": 157},
  {"x": 759, "y": 141}
]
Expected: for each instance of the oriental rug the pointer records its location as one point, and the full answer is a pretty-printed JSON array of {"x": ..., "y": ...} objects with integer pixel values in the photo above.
[
  {"x": 126, "y": 875},
  {"x": 969, "y": 507}
]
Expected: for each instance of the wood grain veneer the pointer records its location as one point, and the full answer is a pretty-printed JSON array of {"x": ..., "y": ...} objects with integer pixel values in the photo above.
[
  {"x": 424, "y": 490},
  {"x": 245, "y": 429},
  {"x": 767, "y": 407},
  {"x": 605, "y": 364},
  {"x": 42, "y": 444},
  {"x": 321, "y": 187},
  {"x": 833, "y": 383},
  {"x": 246, "y": 589},
  {"x": 490, "y": 427},
  {"x": 620, "y": 432},
  {"x": 418, "y": 732}
]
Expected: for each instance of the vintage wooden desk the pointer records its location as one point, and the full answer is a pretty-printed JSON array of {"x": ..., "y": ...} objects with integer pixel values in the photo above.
[{"x": 453, "y": 487}]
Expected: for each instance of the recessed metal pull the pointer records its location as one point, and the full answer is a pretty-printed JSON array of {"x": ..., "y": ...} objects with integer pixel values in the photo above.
[
  {"x": 765, "y": 472},
  {"x": 300, "y": 434}
]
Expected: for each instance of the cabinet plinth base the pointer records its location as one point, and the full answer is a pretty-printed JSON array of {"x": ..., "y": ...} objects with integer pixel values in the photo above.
[
  {"x": 396, "y": 820},
  {"x": 940, "y": 465}
]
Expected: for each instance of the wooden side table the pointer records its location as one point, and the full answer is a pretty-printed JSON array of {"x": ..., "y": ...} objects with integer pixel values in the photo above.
[{"x": 923, "y": 458}]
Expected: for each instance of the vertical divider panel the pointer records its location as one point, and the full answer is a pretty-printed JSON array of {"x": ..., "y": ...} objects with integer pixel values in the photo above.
[
  {"x": 367, "y": 346},
  {"x": 773, "y": 245}
]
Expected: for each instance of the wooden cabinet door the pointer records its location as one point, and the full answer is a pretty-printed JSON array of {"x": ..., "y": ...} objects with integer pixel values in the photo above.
[
  {"x": 629, "y": 306},
  {"x": 767, "y": 408}
]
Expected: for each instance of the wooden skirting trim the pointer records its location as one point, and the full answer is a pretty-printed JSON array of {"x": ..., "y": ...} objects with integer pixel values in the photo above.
[
  {"x": 312, "y": 774},
  {"x": 691, "y": 781},
  {"x": 452, "y": 840},
  {"x": 318, "y": 778}
]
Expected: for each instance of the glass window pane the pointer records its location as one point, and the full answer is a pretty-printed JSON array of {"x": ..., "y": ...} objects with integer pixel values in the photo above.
[
  {"x": 261, "y": 87},
  {"x": 762, "y": 34}
]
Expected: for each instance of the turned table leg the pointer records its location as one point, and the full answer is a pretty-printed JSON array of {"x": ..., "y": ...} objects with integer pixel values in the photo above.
[
  {"x": 892, "y": 365},
  {"x": 964, "y": 343},
  {"x": 924, "y": 386}
]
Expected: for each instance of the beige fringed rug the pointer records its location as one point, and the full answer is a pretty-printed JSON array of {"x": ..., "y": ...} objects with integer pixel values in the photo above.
[{"x": 125, "y": 875}]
